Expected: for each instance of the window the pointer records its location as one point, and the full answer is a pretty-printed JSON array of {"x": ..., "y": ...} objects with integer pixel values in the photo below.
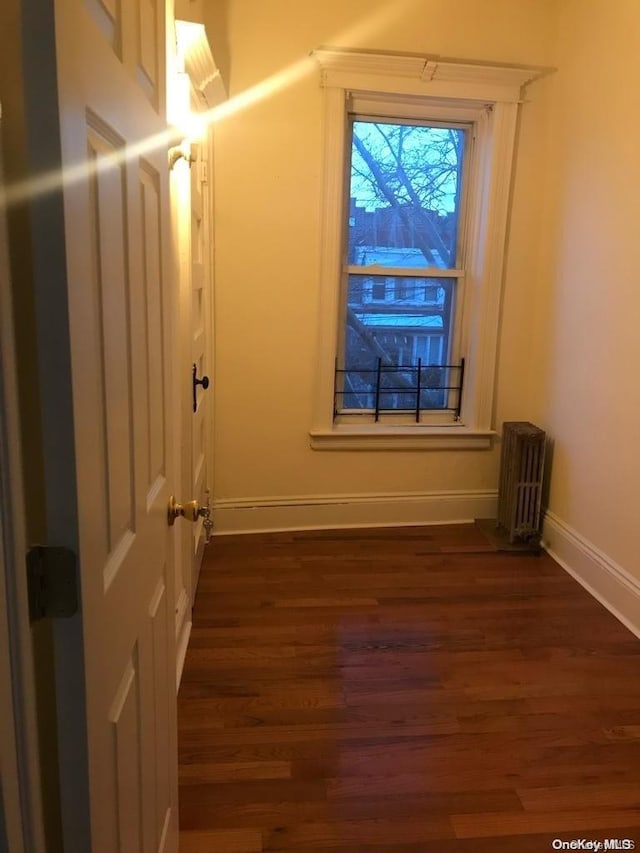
[
  {"x": 417, "y": 170},
  {"x": 405, "y": 213},
  {"x": 378, "y": 289}
]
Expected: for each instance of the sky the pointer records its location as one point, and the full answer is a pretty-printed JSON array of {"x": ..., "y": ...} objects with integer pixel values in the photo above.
[{"x": 420, "y": 142}]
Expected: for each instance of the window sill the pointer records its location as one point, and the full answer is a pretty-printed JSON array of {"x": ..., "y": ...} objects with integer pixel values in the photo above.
[{"x": 378, "y": 437}]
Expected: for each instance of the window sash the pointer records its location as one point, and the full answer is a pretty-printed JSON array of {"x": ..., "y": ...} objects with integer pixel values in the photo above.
[
  {"x": 407, "y": 272},
  {"x": 419, "y": 340},
  {"x": 451, "y": 335},
  {"x": 387, "y": 115}
]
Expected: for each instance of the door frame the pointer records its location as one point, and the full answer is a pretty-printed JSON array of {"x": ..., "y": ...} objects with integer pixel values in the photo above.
[
  {"x": 194, "y": 61},
  {"x": 19, "y": 742}
]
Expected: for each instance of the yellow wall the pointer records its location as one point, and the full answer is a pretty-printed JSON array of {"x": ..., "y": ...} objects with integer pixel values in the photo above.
[
  {"x": 587, "y": 391},
  {"x": 268, "y": 180},
  {"x": 216, "y": 24}
]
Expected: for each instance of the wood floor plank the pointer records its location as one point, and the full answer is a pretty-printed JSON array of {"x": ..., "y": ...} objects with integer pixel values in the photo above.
[
  {"x": 221, "y": 841},
  {"x": 580, "y": 797},
  {"x": 519, "y": 844},
  {"x": 622, "y": 821},
  {"x": 311, "y": 835},
  {"x": 631, "y": 732},
  {"x": 387, "y": 807},
  {"x": 203, "y": 772},
  {"x": 402, "y": 690}
]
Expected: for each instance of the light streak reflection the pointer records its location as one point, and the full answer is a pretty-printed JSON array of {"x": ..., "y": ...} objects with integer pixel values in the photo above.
[{"x": 57, "y": 179}]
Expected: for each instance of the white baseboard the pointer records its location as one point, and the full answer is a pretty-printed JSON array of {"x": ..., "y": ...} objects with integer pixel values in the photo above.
[
  {"x": 263, "y": 515},
  {"x": 608, "y": 582},
  {"x": 181, "y": 651},
  {"x": 183, "y": 632}
]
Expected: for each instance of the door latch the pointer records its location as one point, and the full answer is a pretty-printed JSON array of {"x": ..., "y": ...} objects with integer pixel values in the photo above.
[
  {"x": 195, "y": 382},
  {"x": 207, "y": 521}
]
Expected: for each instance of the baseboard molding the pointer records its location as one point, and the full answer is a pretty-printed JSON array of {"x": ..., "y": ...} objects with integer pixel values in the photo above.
[
  {"x": 263, "y": 515},
  {"x": 613, "y": 586},
  {"x": 181, "y": 651},
  {"x": 183, "y": 632}
]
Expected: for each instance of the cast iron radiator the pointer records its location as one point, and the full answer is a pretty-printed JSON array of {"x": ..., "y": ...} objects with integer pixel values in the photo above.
[{"x": 521, "y": 472}]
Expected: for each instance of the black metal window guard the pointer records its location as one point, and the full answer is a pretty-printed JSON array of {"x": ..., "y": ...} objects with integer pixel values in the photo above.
[{"x": 421, "y": 380}]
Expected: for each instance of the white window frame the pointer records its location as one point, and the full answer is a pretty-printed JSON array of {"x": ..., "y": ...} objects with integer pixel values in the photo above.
[{"x": 426, "y": 88}]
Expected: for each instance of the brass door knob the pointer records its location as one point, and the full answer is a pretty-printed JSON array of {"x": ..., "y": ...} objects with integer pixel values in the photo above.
[{"x": 191, "y": 510}]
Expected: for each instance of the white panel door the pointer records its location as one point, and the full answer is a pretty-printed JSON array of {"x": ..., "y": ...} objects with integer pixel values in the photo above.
[{"x": 111, "y": 81}]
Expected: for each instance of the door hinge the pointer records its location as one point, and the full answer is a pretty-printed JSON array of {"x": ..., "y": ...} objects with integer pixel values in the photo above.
[{"x": 52, "y": 582}]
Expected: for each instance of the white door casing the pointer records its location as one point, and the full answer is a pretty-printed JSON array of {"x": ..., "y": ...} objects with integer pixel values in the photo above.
[
  {"x": 21, "y": 821},
  {"x": 111, "y": 84},
  {"x": 181, "y": 227},
  {"x": 192, "y": 206},
  {"x": 201, "y": 287},
  {"x": 191, "y": 221},
  {"x": 205, "y": 92},
  {"x": 12, "y": 833}
]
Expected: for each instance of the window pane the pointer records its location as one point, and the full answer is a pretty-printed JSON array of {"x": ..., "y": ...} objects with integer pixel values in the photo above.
[
  {"x": 401, "y": 321},
  {"x": 404, "y": 194}
]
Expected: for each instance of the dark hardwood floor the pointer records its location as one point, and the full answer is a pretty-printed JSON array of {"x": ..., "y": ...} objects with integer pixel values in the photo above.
[{"x": 403, "y": 690}]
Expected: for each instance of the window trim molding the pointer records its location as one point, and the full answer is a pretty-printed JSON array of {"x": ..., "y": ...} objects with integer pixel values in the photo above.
[
  {"x": 401, "y": 437},
  {"x": 490, "y": 95},
  {"x": 427, "y": 75}
]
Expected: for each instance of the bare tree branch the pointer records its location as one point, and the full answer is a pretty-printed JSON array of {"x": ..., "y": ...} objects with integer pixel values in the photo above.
[{"x": 391, "y": 197}]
